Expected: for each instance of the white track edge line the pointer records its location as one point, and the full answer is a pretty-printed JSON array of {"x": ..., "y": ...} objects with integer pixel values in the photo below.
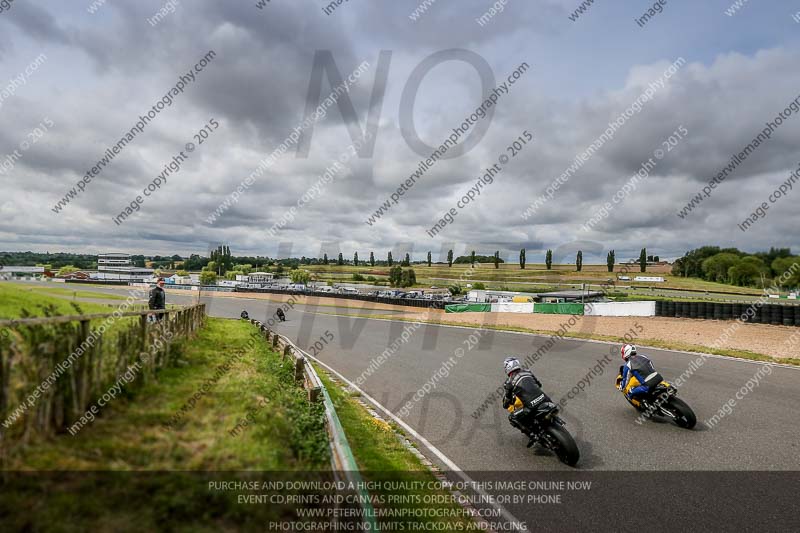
[{"x": 438, "y": 453}]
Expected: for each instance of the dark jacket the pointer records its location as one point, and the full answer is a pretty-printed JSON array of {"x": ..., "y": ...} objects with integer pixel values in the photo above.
[
  {"x": 525, "y": 385},
  {"x": 158, "y": 298},
  {"x": 640, "y": 367}
]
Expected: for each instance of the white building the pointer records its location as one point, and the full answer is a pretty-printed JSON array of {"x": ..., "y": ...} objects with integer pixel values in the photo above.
[
  {"x": 259, "y": 278},
  {"x": 119, "y": 267},
  {"x": 491, "y": 296},
  {"x": 181, "y": 280},
  {"x": 104, "y": 261},
  {"x": 13, "y": 272}
]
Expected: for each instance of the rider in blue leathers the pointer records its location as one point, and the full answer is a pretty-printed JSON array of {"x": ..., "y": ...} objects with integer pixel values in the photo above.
[{"x": 640, "y": 367}]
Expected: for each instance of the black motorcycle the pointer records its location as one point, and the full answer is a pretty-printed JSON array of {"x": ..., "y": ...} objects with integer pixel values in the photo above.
[
  {"x": 545, "y": 428},
  {"x": 281, "y": 315}
]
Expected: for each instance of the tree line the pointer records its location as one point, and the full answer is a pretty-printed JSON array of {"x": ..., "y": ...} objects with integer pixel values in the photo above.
[{"x": 735, "y": 267}]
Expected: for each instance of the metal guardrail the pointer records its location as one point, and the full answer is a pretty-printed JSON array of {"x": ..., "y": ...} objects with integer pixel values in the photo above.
[
  {"x": 408, "y": 302},
  {"x": 342, "y": 460}
]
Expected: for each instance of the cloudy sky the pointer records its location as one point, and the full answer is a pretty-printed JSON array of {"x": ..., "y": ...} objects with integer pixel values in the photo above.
[{"x": 76, "y": 76}]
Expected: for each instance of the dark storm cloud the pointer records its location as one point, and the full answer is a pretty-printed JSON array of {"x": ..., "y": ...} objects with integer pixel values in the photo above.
[{"x": 107, "y": 68}]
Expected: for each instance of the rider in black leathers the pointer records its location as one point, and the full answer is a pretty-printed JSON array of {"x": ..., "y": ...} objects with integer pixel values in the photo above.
[{"x": 523, "y": 384}]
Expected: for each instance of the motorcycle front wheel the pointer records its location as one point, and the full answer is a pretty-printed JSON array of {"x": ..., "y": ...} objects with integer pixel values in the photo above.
[
  {"x": 684, "y": 416},
  {"x": 565, "y": 448}
]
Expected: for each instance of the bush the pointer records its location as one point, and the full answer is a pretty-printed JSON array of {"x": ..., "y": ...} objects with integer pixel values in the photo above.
[
  {"x": 300, "y": 276},
  {"x": 208, "y": 278}
]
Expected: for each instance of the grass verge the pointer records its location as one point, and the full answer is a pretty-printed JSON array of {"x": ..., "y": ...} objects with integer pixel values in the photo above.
[{"x": 385, "y": 460}]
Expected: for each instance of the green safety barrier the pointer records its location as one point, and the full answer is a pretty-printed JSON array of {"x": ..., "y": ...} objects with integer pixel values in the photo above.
[
  {"x": 467, "y": 308},
  {"x": 558, "y": 309}
]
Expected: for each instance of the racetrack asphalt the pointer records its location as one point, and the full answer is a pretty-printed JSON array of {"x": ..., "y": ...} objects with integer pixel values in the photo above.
[
  {"x": 705, "y": 479},
  {"x": 761, "y": 433}
]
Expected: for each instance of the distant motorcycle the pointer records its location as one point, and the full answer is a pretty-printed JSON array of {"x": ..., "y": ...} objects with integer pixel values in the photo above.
[
  {"x": 244, "y": 315},
  {"x": 546, "y": 428},
  {"x": 281, "y": 315},
  {"x": 662, "y": 400}
]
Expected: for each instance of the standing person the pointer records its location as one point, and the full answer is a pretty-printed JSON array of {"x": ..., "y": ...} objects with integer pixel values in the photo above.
[{"x": 158, "y": 298}]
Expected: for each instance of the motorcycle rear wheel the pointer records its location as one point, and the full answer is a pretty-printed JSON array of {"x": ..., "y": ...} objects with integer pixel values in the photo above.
[
  {"x": 684, "y": 416},
  {"x": 566, "y": 449}
]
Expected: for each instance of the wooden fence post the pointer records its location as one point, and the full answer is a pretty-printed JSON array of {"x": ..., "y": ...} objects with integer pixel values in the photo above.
[
  {"x": 84, "y": 379},
  {"x": 299, "y": 360},
  {"x": 5, "y": 367}
]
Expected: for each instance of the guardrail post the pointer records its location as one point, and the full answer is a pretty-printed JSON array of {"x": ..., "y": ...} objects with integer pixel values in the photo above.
[{"x": 314, "y": 394}]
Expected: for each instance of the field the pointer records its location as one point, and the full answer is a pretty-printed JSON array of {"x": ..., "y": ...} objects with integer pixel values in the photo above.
[
  {"x": 535, "y": 277},
  {"x": 61, "y": 290},
  {"x": 15, "y": 297}
]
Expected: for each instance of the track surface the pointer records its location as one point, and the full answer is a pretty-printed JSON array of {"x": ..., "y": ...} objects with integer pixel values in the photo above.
[
  {"x": 761, "y": 433},
  {"x": 617, "y": 454}
]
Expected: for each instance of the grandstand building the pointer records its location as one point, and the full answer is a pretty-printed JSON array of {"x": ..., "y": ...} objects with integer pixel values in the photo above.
[{"x": 119, "y": 267}]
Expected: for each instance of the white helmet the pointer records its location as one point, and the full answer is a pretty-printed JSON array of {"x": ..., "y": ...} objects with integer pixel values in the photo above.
[
  {"x": 627, "y": 351},
  {"x": 511, "y": 364}
]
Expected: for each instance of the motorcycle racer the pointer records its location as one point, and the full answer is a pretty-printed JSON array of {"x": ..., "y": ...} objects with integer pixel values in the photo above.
[
  {"x": 639, "y": 375},
  {"x": 522, "y": 384}
]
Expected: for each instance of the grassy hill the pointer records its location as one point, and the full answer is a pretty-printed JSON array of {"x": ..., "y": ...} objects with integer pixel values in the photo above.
[
  {"x": 137, "y": 467},
  {"x": 15, "y": 297}
]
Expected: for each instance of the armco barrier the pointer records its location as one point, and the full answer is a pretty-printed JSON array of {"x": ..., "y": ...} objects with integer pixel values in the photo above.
[
  {"x": 342, "y": 460},
  {"x": 468, "y": 308},
  {"x": 512, "y": 307},
  {"x": 622, "y": 308},
  {"x": 765, "y": 314},
  {"x": 409, "y": 302},
  {"x": 558, "y": 309},
  {"x": 776, "y": 314}
]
